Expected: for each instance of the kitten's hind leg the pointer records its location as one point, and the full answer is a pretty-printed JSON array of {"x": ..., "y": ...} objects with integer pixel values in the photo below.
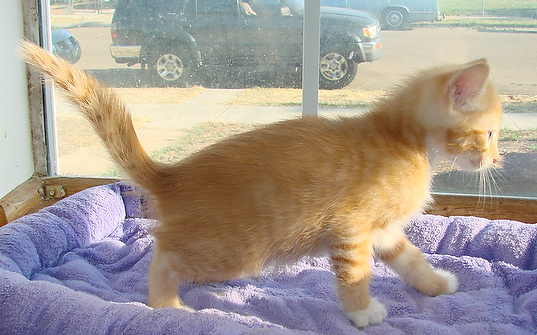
[
  {"x": 408, "y": 261},
  {"x": 164, "y": 282}
]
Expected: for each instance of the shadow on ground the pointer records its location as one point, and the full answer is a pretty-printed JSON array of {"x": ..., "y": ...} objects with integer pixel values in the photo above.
[
  {"x": 517, "y": 177},
  {"x": 212, "y": 78}
]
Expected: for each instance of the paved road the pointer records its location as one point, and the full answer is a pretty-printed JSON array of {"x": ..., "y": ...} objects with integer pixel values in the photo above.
[{"x": 511, "y": 55}]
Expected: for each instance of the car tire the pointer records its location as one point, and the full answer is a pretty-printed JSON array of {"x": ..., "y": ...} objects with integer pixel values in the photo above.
[
  {"x": 170, "y": 67},
  {"x": 394, "y": 18},
  {"x": 336, "y": 71}
]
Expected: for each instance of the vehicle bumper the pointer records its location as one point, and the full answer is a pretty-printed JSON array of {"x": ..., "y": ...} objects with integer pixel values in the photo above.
[
  {"x": 125, "y": 53},
  {"x": 369, "y": 51}
]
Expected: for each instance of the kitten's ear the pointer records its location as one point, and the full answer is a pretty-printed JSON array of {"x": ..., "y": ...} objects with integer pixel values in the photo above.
[{"x": 467, "y": 83}]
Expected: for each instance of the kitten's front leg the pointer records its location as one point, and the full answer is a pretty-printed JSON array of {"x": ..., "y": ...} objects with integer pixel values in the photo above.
[
  {"x": 352, "y": 264},
  {"x": 408, "y": 261}
]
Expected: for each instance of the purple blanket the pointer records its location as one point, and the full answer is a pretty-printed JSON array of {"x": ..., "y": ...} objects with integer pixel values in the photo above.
[{"x": 80, "y": 267}]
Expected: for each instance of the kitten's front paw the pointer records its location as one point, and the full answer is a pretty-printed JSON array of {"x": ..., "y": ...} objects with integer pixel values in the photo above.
[
  {"x": 441, "y": 282},
  {"x": 452, "y": 283},
  {"x": 372, "y": 315}
]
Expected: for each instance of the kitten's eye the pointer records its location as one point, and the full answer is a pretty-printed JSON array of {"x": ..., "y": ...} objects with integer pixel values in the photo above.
[{"x": 490, "y": 135}]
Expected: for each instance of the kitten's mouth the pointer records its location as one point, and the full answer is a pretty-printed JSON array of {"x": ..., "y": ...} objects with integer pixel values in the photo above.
[
  {"x": 481, "y": 163},
  {"x": 473, "y": 164}
]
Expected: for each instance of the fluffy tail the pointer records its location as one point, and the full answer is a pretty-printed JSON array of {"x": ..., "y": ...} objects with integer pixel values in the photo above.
[{"x": 105, "y": 111}]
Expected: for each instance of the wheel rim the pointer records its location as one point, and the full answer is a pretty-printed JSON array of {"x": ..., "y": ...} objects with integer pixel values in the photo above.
[
  {"x": 170, "y": 67},
  {"x": 333, "y": 66},
  {"x": 394, "y": 18}
]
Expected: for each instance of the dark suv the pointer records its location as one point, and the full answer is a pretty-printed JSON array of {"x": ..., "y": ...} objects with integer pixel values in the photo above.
[{"x": 175, "y": 39}]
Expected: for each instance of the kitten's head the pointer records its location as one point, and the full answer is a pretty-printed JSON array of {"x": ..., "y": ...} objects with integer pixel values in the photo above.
[{"x": 462, "y": 114}]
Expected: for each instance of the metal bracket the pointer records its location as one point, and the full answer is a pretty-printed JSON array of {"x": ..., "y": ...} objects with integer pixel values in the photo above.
[{"x": 54, "y": 192}]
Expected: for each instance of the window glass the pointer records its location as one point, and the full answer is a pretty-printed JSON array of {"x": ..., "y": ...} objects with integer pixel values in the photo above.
[
  {"x": 189, "y": 7},
  {"x": 217, "y": 7},
  {"x": 180, "y": 66},
  {"x": 144, "y": 8},
  {"x": 195, "y": 71}
]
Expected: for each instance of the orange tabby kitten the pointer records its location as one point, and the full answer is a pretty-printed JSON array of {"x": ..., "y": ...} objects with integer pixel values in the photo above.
[{"x": 305, "y": 186}]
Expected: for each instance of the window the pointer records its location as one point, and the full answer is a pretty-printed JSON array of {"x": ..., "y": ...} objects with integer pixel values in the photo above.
[
  {"x": 195, "y": 71},
  {"x": 145, "y": 8},
  {"x": 218, "y": 7}
]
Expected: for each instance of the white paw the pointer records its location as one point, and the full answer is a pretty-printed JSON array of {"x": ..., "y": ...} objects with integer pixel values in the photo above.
[
  {"x": 372, "y": 315},
  {"x": 451, "y": 279},
  {"x": 187, "y": 309}
]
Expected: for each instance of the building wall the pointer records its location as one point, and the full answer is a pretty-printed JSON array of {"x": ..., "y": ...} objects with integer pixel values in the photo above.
[{"x": 16, "y": 161}]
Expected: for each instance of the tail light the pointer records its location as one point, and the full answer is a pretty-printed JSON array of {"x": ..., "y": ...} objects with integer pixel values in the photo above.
[{"x": 113, "y": 32}]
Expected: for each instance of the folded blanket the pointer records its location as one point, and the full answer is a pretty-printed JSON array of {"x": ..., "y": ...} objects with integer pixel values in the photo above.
[{"x": 81, "y": 267}]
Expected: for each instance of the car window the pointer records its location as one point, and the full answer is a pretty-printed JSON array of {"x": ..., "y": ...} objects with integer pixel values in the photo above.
[
  {"x": 144, "y": 8},
  {"x": 267, "y": 8},
  {"x": 217, "y": 7}
]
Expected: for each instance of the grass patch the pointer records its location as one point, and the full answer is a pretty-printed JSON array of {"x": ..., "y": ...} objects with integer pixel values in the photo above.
[
  {"x": 207, "y": 133},
  {"x": 520, "y": 141},
  {"x": 345, "y": 98},
  {"x": 518, "y": 135},
  {"x": 151, "y": 95},
  {"x": 158, "y": 95},
  {"x": 497, "y": 14},
  {"x": 461, "y": 21},
  {"x": 519, "y": 103},
  {"x": 114, "y": 173},
  {"x": 513, "y": 8},
  {"x": 194, "y": 139},
  {"x": 197, "y": 138},
  {"x": 510, "y": 135},
  {"x": 74, "y": 133}
]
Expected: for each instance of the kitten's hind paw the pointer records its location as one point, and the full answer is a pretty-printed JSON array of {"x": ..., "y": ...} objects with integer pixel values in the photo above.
[{"x": 372, "y": 315}]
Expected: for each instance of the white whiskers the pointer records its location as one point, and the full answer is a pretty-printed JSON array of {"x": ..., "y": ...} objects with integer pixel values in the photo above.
[{"x": 488, "y": 186}]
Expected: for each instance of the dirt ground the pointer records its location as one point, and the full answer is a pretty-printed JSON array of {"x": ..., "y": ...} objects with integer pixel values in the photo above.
[{"x": 513, "y": 175}]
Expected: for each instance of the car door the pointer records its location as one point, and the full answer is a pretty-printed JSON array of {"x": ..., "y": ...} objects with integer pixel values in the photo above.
[
  {"x": 371, "y": 6},
  {"x": 269, "y": 38},
  {"x": 135, "y": 18},
  {"x": 212, "y": 25}
]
